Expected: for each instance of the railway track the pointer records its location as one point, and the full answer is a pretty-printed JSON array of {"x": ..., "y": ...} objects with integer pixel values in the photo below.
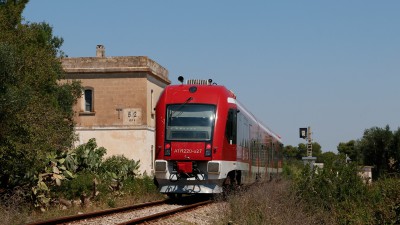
[{"x": 134, "y": 214}]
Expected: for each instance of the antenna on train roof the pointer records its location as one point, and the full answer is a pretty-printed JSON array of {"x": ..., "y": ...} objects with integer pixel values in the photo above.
[{"x": 181, "y": 79}]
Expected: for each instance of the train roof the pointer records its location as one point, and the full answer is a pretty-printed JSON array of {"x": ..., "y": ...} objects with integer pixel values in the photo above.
[
  {"x": 221, "y": 90},
  {"x": 218, "y": 91},
  {"x": 260, "y": 123}
]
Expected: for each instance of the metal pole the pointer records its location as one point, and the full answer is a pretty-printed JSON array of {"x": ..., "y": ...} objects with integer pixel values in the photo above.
[{"x": 309, "y": 143}]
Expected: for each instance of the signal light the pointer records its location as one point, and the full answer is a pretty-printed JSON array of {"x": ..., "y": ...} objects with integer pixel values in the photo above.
[
  {"x": 167, "y": 149},
  {"x": 181, "y": 79},
  {"x": 208, "y": 151},
  {"x": 303, "y": 133},
  {"x": 192, "y": 89}
]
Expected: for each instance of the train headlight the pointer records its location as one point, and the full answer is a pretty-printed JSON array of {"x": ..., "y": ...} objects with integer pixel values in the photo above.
[
  {"x": 213, "y": 167},
  {"x": 208, "y": 151},
  {"x": 167, "y": 149},
  {"x": 161, "y": 166}
]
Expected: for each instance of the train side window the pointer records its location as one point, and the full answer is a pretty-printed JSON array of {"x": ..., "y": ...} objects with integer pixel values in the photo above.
[{"x": 231, "y": 125}]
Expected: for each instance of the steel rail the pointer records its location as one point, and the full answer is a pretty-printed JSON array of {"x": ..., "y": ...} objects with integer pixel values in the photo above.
[
  {"x": 164, "y": 214},
  {"x": 67, "y": 219}
]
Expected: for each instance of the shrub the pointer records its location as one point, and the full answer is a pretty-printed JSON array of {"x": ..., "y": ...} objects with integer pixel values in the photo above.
[
  {"x": 339, "y": 190},
  {"x": 61, "y": 167},
  {"x": 88, "y": 156},
  {"x": 120, "y": 167},
  {"x": 117, "y": 169},
  {"x": 83, "y": 184},
  {"x": 292, "y": 169},
  {"x": 142, "y": 186},
  {"x": 14, "y": 207},
  {"x": 330, "y": 186},
  {"x": 385, "y": 200},
  {"x": 270, "y": 203}
]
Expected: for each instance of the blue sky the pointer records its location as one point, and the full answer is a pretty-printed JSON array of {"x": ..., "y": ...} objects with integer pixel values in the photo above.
[{"x": 331, "y": 65}]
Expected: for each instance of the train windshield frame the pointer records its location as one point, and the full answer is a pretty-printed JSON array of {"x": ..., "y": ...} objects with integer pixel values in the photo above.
[{"x": 190, "y": 122}]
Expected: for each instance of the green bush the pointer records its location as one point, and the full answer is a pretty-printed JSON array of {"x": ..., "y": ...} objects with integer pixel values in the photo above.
[
  {"x": 103, "y": 177},
  {"x": 292, "y": 168},
  {"x": 120, "y": 167},
  {"x": 117, "y": 169},
  {"x": 83, "y": 184},
  {"x": 339, "y": 190},
  {"x": 385, "y": 200},
  {"x": 330, "y": 186},
  {"x": 142, "y": 186},
  {"x": 88, "y": 156}
]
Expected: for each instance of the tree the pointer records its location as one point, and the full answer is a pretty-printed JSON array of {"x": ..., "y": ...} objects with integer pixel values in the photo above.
[
  {"x": 290, "y": 152},
  {"x": 376, "y": 146},
  {"x": 36, "y": 113},
  {"x": 328, "y": 158},
  {"x": 316, "y": 149},
  {"x": 352, "y": 150},
  {"x": 394, "y": 163},
  {"x": 302, "y": 150}
]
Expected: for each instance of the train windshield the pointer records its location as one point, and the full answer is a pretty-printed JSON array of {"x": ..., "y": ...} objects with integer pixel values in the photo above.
[{"x": 190, "y": 122}]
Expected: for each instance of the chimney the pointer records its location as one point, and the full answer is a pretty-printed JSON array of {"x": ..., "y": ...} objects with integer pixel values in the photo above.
[{"x": 100, "y": 51}]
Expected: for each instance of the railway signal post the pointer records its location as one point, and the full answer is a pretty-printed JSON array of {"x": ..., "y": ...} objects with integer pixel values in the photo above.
[{"x": 305, "y": 133}]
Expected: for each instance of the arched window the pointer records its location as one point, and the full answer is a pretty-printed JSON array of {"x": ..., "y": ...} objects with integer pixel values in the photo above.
[{"x": 88, "y": 100}]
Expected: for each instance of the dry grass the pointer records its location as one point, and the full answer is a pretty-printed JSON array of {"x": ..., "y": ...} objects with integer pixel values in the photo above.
[
  {"x": 16, "y": 208},
  {"x": 270, "y": 203},
  {"x": 17, "y": 211},
  {"x": 13, "y": 209}
]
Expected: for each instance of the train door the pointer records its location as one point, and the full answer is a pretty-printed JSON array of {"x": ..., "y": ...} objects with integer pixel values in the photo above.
[
  {"x": 231, "y": 134},
  {"x": 243, "y": 146}
]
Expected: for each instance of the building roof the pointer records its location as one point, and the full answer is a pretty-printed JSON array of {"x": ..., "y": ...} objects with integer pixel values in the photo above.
[{"x": 119, "y": 64}]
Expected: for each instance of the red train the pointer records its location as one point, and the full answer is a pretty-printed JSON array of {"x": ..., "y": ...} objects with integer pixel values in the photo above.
[{"x": 207, "y": 141}]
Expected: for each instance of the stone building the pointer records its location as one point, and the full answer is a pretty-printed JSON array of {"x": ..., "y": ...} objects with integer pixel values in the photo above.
[{"x": 117, "y": 103}]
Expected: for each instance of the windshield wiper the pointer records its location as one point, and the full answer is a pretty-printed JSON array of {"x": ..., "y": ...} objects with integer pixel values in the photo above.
[{"x": 180, "y": 107}]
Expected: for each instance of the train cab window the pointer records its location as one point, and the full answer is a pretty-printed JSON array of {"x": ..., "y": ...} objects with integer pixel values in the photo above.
[
  {"x": 231, "y": 124},
  {"x": 190, "y": 122}
]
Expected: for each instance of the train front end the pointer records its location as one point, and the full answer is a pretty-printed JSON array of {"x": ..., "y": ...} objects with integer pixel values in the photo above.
[{"x": 187, "y": 146}]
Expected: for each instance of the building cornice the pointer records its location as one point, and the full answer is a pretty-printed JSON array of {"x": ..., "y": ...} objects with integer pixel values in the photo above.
[
  {"x": 114, "y": 65},
  {"x": 103, "y": 128}
]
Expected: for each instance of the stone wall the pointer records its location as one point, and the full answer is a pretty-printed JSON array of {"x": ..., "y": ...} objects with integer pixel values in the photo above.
[{"x": 125, "y": 92}]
